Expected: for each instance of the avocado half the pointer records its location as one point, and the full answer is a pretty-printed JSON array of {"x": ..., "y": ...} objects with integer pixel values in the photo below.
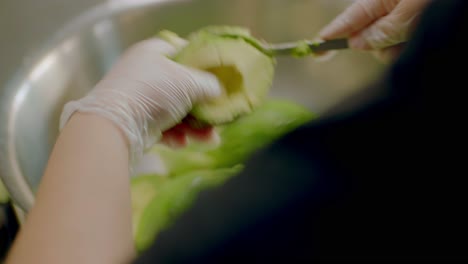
[{"x": 243, "y": 68}]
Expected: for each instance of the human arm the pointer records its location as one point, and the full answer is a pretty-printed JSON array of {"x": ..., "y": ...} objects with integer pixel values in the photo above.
[{"x": 82, "y": 212}]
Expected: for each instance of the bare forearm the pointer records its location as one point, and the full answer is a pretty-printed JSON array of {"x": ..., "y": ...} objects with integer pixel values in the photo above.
[{"x": 83, "y": 211}]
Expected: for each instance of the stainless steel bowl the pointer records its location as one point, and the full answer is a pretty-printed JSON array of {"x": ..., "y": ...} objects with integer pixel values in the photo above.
[{"x": 80, "y": 54}]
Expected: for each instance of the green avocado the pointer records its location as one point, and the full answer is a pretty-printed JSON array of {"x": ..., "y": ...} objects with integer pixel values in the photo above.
[
  {"x": 244, "y": 70},
  {"x": 172, "y": 198},
  {"x": 158, "y": 199},
  {"x": 239, "y": 139}
]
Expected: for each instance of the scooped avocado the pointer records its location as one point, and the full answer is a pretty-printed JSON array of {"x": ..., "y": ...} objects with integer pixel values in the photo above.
[{"x": 245, "y": 71}]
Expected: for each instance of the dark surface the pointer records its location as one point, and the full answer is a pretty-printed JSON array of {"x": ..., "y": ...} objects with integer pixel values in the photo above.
[
  {"x": 381, "y": 178},
  {"x": 8, "y": 228}
]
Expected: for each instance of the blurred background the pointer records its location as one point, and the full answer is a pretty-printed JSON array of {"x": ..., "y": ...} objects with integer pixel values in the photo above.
[
  {"x": 26, "y": 24},
  {"x": 85, "y": 37}
]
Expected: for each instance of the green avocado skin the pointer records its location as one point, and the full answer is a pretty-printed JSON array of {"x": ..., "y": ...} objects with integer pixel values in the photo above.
[
  {"x": 239, "y": 139},
  {"x": 272, "y": 120},
  {"x": 173, "y": 198},
  {"x": 198, "y": 167},
  {"x": 195, "y": 169}
]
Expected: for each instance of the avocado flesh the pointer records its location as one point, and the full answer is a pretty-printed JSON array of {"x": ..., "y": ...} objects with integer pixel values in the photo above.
[{"x": 244, "y": 71}]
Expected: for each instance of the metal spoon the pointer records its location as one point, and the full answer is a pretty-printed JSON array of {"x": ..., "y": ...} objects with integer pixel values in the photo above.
[{"x": 297, "y": 48}]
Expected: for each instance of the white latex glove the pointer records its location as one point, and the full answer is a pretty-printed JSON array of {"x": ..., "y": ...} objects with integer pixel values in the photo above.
[
  {"x": 381, "y": 25},
  {"x": 145, "y": 94}
]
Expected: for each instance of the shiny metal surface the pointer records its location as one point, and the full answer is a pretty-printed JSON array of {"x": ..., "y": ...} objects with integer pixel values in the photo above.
[
  {"x": 74, "y": 59},
  {"x": 288, "y": 48},
  {"x": 26, "y": 24}
]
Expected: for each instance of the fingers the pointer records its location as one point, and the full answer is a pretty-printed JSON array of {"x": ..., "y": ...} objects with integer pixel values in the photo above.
[
  {"x": 155, "y": 46},
  {"x": 386, "y": 32},
  {"x": 391, "y": 29},
  {"x": 159, "y": 46},
  {"x": 142, "y": 60},
  {"x": 356, "y": 17},
  {"x": 204, "y": 85},
  {"x": 173, "y": 39}
]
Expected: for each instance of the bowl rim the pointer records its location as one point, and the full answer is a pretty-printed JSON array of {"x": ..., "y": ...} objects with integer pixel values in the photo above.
[{"x": 11, "y": 95}]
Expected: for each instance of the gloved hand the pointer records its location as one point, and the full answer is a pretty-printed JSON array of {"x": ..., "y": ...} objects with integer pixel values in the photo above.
[
  {"x": 379, "y": 25},
  {"x": 146, "y": 94}
]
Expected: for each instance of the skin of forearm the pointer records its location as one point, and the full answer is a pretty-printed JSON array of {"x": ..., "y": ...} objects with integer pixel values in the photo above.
[{"x": 82, "y": 212}]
